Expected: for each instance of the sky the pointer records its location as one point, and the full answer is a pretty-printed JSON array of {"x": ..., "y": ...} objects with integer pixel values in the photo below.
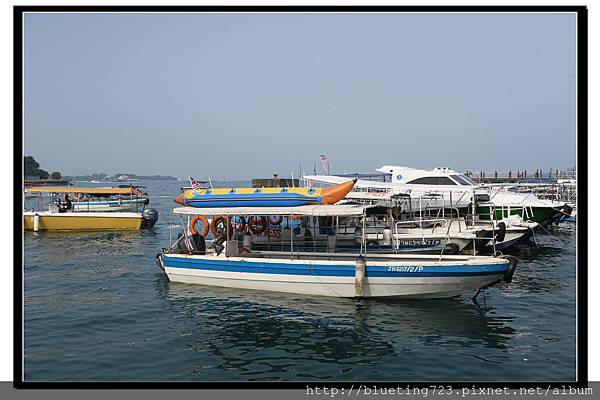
[{"x": 245, "y": 95}]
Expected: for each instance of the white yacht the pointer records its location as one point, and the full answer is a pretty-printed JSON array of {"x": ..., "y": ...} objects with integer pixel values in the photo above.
[{"x": 453, "y": 190}]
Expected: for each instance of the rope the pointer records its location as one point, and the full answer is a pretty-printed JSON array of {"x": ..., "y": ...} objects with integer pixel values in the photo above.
[
  {"x": 550, "y": 233},
  {"x": 319, "y": 279},
  {"x": 534, "y": 239}
]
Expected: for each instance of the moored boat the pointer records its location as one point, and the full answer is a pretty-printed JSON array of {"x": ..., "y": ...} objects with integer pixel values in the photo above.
[
  {"x": 457, "y": 191},
  {"x": 331, "y": 273},
  {"x": 80, "y": 214},
  {"x": 82, "y": 221}
]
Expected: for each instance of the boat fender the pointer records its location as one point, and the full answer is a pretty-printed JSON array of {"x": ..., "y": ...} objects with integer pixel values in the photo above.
[
  {"x": 219, "y": 230},
  {"x": 146, "y": 202},
  {"x": 508, "y": 275},
  {"x": 501, "y": 234},
  {"x": 204, "y": 221},
  {"x": 36, "y": 222},
  {"x": 275, "y": 220},
  {"x": 359, "y": 276},
  {"x": 149, "y": 218},
  {"x": 257, "y": 225}
]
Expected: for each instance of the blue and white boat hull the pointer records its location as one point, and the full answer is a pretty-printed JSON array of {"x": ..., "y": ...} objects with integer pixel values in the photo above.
[{"x": 414, "y": 277}]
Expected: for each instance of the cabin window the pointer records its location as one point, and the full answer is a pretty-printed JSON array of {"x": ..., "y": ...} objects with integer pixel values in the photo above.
[
  {"x": 460, "y": 180},
  {"x": 432, "y": 180},
  {"x": 471, "y": 181}
]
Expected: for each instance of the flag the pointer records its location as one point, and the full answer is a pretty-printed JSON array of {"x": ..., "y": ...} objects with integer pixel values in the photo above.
[
  {"x": 195, "y": 185},
  {"x": 325, "y": 163}
]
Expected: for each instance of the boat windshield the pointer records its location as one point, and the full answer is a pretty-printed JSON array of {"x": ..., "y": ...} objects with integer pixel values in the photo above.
[
  {"x": 463, "y": 180},
  {"x": 432, "y": 180}
]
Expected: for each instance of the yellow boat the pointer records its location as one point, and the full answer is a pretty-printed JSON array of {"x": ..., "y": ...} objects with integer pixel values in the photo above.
[
  {"x": 59, "y": 218},
  {"x": 82, "y": 221}
]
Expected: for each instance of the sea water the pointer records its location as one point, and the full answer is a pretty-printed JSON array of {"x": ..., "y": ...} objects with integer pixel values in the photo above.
[{"x": 98, "y": 308}]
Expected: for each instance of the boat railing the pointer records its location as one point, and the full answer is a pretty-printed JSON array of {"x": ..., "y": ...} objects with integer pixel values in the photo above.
[{"x": 431, "y": 223}]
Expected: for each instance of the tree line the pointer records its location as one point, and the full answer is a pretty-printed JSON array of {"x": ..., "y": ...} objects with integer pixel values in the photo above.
[{"x": 32, "y": 168}]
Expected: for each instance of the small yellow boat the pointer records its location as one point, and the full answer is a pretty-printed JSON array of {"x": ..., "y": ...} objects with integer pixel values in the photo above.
[
  {"x": 81, "y": 221},
  {"x": 65, "y": 216}
]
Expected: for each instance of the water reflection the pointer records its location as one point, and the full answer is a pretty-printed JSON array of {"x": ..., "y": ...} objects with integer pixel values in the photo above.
[{"x": 243, "y": 328}]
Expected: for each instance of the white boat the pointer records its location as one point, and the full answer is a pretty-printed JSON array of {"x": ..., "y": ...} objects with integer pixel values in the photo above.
[
  {"x": 358, "y": 274},
  {"x": 455, "y": 190},
  {"x": 80, "y": 214}
]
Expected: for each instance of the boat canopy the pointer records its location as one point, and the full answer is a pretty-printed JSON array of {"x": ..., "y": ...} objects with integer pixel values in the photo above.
[
  {"x": 310, "y": 210},
  {"x": 69, "y": 189}
]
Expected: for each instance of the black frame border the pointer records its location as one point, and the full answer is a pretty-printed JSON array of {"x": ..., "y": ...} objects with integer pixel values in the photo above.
[{"x": 582, "y": 187}]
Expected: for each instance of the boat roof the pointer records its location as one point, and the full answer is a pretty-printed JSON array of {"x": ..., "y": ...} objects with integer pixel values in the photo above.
[
  {"x": 311, "y": 210},
  {"x": 71, "y": 189}
]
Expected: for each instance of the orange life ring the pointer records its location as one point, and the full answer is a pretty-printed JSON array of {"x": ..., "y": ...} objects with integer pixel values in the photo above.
[
  {"x": 193, "y": 225},
  {"x": 216, "y": 221},
  {"x": 257, "y": 225},
  {"x": 277, "y": 221},
  {"x": 296, "y": 217}
]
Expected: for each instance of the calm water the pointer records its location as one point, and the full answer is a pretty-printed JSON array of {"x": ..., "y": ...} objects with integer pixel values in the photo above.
[{"x": 97, "y": 307}]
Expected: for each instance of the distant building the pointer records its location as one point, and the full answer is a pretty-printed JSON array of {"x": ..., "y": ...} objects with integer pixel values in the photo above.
[{"x": 31, "y": 178}]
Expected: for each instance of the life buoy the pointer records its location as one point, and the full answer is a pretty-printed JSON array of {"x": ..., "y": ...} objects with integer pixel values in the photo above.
[
  {"x": 297, "y": 217},
  {"x": 204, "y": 221},
  {"x": 214, "y": 225},
  {"x": 273, "y": 220},
  {"x": 257, "y": 225}
]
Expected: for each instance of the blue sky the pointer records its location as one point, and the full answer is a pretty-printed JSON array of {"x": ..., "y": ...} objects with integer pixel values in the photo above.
[{"x": 244, "y": 95}]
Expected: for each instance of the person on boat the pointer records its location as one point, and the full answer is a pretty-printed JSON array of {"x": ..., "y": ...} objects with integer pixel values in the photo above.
[{"x": 66, "y": 205}]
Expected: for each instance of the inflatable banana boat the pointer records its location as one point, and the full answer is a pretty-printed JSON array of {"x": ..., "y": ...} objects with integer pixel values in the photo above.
[{"x": 264, "y": 197}]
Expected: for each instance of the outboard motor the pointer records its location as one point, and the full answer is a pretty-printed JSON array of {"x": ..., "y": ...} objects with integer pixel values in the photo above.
[
  {"x": 501, "y": 232},
  {"x": 508, "y": 275},
  {"x": 451, "y": 248},
  {"x": 149, "y": 218},
  {"x": 482, "y": 239},
  {"x": 567, "y": 210}
]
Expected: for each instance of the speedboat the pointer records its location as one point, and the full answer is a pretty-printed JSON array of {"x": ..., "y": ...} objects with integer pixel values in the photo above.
[{"x": 455, "y": 190}]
